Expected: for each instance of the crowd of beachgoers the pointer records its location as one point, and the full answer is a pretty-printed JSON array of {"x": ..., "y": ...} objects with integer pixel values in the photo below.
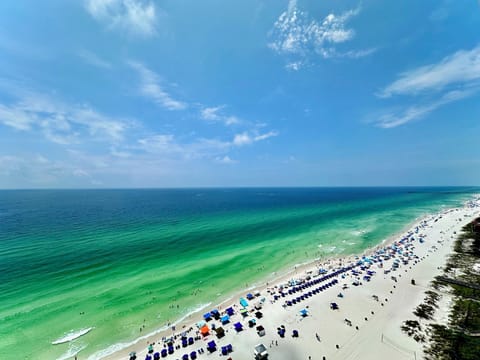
[{"x": 334, "y": 309}]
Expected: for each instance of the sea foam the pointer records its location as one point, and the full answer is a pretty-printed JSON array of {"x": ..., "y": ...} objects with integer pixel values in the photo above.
[
  {"x": 71, "y": 335},
  {"x": 120, "y": 346}
]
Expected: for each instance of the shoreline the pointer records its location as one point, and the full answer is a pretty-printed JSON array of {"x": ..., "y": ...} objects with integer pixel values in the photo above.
[{"x": 279, "y": 277}]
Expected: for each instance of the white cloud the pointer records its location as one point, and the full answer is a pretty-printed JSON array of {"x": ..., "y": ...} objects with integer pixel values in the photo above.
[
  {"x": 461, "y": 68},
  {"x": 150, "y": 87},
  {"x": 169, "y": 145},
  {"x": 295, "y": 65},
  {"x": 416, "y": 112},
  {"x": 58, "y": 122},
  {"x": 225, "y": 160},
  {"x": 455, "y": 77},
  {"x": 216, "y": 114},
  {"x": 134, "y": 16},
  {"x": 245, "y": 138},
  {"x": 242, "y": 139},
  {"x": 296, "y": 35},
  {"x": 38, "y": 171},
  {"x": 94, "y": 59},
  {"x": 16, "y": 118}
]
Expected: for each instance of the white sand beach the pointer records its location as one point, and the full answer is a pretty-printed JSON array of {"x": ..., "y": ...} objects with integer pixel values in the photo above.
[{"x": 377, "y": 295}]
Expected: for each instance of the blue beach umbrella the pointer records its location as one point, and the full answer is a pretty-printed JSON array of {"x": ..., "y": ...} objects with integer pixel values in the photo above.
[{"x": 243, "y": 302}]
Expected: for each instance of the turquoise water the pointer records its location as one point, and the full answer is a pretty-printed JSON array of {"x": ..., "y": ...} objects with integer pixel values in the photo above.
[{"x": 113, "y": 261}]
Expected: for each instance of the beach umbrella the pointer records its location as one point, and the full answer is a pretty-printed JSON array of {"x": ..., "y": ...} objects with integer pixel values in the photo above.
[
  {"x": 304, "y": 312},
  {"x": 243, "y": 302},
  {"x": 150, "y": 348}
]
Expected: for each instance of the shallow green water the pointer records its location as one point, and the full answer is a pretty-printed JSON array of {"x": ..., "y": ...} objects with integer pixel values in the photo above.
[{"x": 115, "y": 260}]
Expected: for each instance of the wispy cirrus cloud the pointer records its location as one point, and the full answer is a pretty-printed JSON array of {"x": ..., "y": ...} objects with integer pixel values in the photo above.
[
  {"x": 455, "y": 77},
  {"x": 216, "y": 114},
  {"x": 36, "y": 170},
  {"x": 93, "y": 59},
  {"x": 151, "y": 88},
  {"x": 60, "y": 122},
  {"x": 298, "y": 36},
  {"x": 459, "y": 69},
  {"x": 393, "y": 119},
  {"x": 247, "y": 138},
  {"x": 134, "y": 16},
  {"x": 170, "y": 146}
]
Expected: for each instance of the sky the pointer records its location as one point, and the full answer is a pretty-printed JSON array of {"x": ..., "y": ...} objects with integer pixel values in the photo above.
[{"x": 177, "y": 93}]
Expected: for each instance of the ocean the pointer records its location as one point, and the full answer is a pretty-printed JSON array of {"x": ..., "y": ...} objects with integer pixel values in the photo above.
[{"x": 85, "y": 270}]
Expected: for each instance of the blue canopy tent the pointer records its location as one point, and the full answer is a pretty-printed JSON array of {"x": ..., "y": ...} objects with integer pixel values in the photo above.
[
  {"x": 250, "y": 296},
  {"x": 238, "y": 326},
  {"x": 224, "y": 350},
  {"x": 230, "y": 311},
  {"x": 225, "y": 319},
  {"x": 215, "y": 313},
  {"x": 207, "y": 316},
  {"x": 211, "y": 346}
]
